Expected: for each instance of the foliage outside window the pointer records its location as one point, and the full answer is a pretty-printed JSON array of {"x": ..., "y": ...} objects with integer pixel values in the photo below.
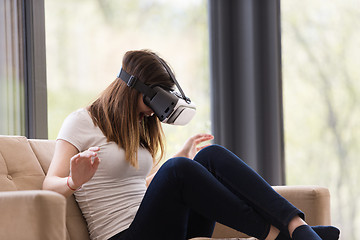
[{"x": 320, "y": 49}]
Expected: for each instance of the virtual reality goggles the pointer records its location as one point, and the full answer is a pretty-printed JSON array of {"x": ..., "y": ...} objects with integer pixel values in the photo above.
[{"x": 169, "y": 106}]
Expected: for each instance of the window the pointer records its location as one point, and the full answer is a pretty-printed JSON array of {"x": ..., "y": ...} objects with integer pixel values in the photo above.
[
  {"x": 87, "y": 39},
  {"x": 23, "y": 72},
  {"x": 12, "y": 113},
  {"x": 321, "y": 102}
]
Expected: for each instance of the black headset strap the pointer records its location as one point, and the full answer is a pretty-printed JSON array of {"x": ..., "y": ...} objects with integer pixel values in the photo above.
[
  {"x": 132, "y": 81},
  {"x": 174, "y": 79}
]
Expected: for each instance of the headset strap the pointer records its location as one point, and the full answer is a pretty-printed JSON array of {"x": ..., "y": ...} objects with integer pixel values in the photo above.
[
  {"x": 174, "y": 79},
  {"x": 133, "y": 82}
]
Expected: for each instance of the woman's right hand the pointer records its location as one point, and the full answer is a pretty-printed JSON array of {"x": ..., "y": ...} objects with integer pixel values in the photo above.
[{"x": 83, "y": 167}]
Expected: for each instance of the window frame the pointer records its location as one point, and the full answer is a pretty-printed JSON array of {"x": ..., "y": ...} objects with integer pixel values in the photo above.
[{"x": 33, "y": 18}]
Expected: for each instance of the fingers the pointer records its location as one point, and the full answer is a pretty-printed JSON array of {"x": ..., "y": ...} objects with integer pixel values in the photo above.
[
  {"x": 96, "y": 162},
  {"x": 87, "y": 154},
  {"x": 94, "y": 149},
  {"x": 199, "y": 138},
  {"x": 90, "y": 154},
  {"x": 75, "y": 157},
  {"x": 201, "y": 135}
]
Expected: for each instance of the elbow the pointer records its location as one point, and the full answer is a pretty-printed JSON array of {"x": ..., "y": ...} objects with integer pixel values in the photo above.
[
  {"x": 49, "y": 183},
  {"x": 45, "y": 185}
]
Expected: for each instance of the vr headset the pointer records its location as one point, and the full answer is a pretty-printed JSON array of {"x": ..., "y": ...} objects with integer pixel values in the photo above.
[{"x": 169, "y": 106}]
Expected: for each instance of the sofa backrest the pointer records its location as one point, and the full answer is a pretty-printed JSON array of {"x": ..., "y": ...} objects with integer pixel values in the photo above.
[
  {"x": 19, "y": 167},
  {"x": 23, "y": 166}
]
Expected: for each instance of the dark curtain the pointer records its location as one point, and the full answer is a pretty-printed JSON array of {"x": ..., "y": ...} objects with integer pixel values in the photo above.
[
  {"x": 245, "y": 52},
  {"x": 33, "y": 30}
]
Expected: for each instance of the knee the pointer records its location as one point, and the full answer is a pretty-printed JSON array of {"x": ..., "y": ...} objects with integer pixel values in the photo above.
[
  {"x": 215, "y": 154},
  {"x": 209, "y": 153},
  {"x": 212, "y": 149},
  {"x": 177, "y": 165},
  {"x": 171, "y": 174}
]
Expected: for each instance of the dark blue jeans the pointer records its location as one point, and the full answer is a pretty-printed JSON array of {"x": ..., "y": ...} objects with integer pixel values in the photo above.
[{"x": 187, "y": 197}]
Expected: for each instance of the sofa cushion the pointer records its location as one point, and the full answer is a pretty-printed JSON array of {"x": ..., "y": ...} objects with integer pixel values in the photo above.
[
  {"x": 44, "y": 150},
  {"x": 19, "y": 167}
]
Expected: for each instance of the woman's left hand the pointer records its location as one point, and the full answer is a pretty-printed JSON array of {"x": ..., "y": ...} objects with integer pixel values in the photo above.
[{"x": 191, "y": 147}]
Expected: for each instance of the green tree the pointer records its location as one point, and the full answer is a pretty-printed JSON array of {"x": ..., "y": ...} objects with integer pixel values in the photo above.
[{"x": 320, "y": 58}]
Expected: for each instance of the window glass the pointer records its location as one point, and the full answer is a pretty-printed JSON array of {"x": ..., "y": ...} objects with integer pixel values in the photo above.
[
  {"x": 86, "y": 40},
  {"x": 12, "y": 108},
  {"x": 320, "y": 49}
]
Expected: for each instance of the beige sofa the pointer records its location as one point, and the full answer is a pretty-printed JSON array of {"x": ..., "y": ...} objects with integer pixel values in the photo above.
[{"x": 27, "y": 212}]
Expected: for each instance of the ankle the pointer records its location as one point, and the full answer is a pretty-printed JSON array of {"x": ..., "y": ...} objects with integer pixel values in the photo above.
[
  {"x": 273, "y": 233},
  {"x": 295, "y": 223}
]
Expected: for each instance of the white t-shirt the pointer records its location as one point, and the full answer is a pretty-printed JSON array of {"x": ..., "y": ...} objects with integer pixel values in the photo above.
[{"x": 110, "y": 200}]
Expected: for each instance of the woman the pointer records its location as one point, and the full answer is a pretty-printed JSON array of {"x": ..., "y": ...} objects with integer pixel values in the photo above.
[{"x": 105, "y": 152}]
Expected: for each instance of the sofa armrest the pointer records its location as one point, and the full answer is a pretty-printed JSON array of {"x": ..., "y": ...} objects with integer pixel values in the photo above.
[
  {"x": 314, "y": 201},
  {"x": 32, "y": 215}
]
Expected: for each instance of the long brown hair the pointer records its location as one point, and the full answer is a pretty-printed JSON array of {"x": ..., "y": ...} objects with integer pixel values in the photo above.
[{"x": 115, "y": 111}]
